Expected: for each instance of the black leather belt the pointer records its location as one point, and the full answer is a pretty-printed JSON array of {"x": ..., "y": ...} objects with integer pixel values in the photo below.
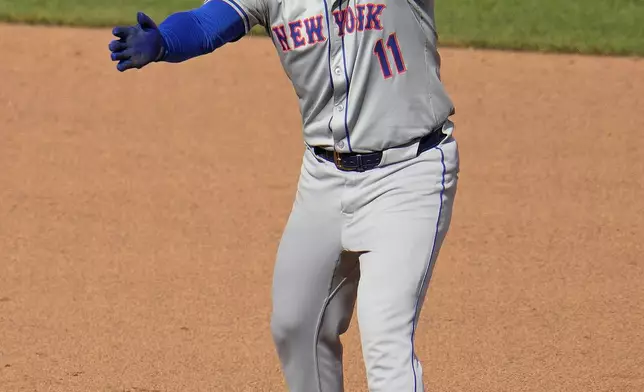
[{"x": 363, "y": 162}]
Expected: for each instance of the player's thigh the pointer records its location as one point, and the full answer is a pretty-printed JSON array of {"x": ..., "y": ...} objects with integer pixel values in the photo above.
[
  {"x": 393, "y": 276},
  {"x": 309, "y": 252},
  {"x": 402, "y": 231}
]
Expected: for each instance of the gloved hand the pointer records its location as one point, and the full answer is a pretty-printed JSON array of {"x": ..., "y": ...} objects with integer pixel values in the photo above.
[{"x": 138, "y": 45}]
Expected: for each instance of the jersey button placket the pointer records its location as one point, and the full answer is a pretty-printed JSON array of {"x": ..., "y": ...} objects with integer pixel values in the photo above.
[{"x": 339, "y": 91}]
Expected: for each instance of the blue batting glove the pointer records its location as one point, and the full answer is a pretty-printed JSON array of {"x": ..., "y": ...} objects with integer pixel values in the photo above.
[{"x": 138, "y": 45}]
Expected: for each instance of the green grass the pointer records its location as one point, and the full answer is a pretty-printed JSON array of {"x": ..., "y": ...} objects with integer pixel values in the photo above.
[
  {"x": 94, "y": 13},
  {"x": 584, "y": 26}
]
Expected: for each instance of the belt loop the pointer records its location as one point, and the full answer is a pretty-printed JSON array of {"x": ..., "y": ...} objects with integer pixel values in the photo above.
[{"x": 359, "y": 165}]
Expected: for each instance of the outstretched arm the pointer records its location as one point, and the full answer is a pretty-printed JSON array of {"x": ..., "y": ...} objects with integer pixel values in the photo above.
[{"x": 182, "y": 36}]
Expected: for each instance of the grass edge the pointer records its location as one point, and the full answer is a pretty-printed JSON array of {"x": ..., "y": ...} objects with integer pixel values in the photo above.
[{"x": 445, "y": 42}]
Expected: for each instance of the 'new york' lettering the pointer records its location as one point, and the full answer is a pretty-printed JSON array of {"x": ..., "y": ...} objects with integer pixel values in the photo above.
[
  {"x": 301, "y": 32},
  {"x": 364, "y": 17},
  {"x": 310, "y": 31}
]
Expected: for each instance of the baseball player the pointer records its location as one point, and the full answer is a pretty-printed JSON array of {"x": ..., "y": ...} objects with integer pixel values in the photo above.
[{"x": 378, "y": 177}]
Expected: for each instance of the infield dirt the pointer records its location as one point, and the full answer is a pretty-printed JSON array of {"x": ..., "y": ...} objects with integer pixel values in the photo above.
[{"x": 140, "y": 214}]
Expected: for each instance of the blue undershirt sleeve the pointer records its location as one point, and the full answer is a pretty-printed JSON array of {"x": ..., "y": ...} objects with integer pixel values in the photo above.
[{"x": 193, "y": 33}]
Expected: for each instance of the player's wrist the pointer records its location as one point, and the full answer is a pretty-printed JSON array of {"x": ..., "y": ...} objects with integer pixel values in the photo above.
[{"x": 162, "y": 52}]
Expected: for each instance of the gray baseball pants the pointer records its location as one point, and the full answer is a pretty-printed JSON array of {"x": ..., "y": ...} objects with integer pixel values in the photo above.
[{"x": 367, "y": 237}]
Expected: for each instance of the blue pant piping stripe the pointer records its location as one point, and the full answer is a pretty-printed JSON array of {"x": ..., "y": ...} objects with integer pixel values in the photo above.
[{"x": 429, "y": 263}]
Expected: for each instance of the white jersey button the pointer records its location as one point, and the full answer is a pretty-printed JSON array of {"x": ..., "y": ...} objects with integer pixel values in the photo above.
[
  {"x": 340, "y": 144},
  {"x": 340, "y": 107},
  {"x": 337, "y": 70}
]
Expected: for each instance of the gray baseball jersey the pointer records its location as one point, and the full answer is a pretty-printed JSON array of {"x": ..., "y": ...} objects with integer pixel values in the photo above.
[{"x": 366, "y": 74}]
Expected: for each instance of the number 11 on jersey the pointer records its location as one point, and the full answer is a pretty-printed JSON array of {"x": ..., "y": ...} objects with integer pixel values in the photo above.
[{"x": 380, "y": 50}]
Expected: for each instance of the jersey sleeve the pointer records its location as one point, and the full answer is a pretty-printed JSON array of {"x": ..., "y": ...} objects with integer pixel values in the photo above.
[{"x": 252, "y": 12}]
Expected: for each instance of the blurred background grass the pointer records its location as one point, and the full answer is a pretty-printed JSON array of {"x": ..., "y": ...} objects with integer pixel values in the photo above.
[
  {"x": 95, "y": 13},
  {"x": 582, "y": 26}
]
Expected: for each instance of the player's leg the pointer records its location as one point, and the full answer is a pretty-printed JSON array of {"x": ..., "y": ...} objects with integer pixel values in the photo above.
[
  {"x": 403, "y": 229},
  {"x": 310, "y": 306}
]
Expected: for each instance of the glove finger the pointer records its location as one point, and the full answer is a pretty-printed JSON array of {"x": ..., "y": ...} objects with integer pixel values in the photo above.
[
  {"x": 120, "y": 56},
  {"x": 117, "y": 46},
  {"x": 122, "y": 31},
  {"x": 145, "y": 21},
  {"x": 125, "y": 65}
]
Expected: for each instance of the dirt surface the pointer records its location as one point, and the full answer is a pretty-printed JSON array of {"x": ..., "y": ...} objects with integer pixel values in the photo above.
[{"x": 140, "y": 214}]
